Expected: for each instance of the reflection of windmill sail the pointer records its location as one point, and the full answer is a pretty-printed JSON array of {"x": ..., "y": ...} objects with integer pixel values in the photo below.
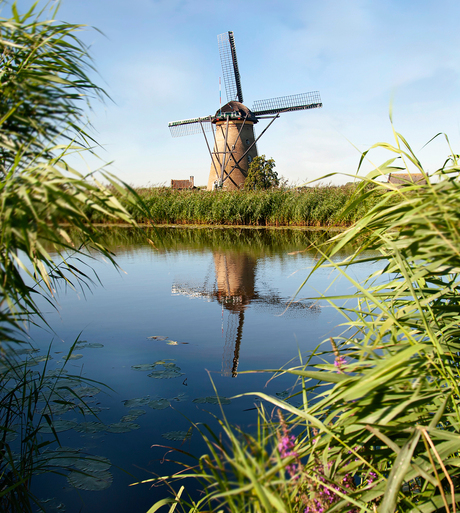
[{"x": 235, "y": 290}]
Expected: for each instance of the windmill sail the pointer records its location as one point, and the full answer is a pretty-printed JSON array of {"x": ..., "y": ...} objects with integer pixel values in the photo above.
[
  {"x": 287, "y": 103},
  {"x": 190, "y": 126},
  {"x": 230, "y": 70}
]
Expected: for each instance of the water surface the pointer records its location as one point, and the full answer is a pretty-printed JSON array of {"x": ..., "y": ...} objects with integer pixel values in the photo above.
[{"x": 216, "y": 299}]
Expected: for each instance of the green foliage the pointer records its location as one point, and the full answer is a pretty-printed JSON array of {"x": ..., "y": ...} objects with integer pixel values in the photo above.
[
  {"x": 261, "y": 174},
  {"x": 323, "y": 205},
  {"x": 378, "y": 424},
  {"x": 43, "y": 77},
  {"x": 43, "y": 80}
]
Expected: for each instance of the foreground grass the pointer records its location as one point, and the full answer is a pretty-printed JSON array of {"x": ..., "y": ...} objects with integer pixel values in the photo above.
[
  {"x": 313, "y": 206},
  {"x": 374, "y": 427}
]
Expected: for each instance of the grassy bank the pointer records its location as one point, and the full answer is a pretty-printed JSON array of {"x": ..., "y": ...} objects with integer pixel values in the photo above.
[{"x": 313, "y": 206}]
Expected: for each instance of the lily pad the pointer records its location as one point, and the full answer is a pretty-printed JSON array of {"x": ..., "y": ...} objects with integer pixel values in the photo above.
[
  {"x": 31, "y": 362},
  {"x": 143, "y": 367},
  {"x": 132, "y": 415},
  {"x": 170, "y": 370},
  {"x": 90, "y": 427},
  {"x": 74, "y": 356},
  {"x": 56, "y": 408},
  {"x": 177, "y": 435},
  {"x": 58, "y": 425},
  {"x": 95, "y": 481},
  {"x": 56, "y": 372},
  {"x": 140, "y": 401},
  {"x": 60, "y": 457},
  {"x": 93, "y": 464},
  {"x": 88, "y": 409},
  {"x": 122, "y": 427},
  {"x": 212, "y": 400},
  {"x": 159, "y": 404},
  {"x": 27, "y": 350},
  {"x": 86, "y": 391},
  {"x": 179, "y": 398}
]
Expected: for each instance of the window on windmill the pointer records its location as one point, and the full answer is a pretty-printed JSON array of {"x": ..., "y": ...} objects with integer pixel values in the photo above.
[
  {"x": 247, "y": 141},
  {"x": 249, "y": 159}
]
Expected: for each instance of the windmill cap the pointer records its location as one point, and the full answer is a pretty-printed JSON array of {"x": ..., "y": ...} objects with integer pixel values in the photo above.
[{"x": 236, "y": 110}]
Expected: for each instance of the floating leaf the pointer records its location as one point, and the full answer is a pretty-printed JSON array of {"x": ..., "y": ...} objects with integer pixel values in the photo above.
[
  {"x": 56, "y": 372},
  {"x": 132, "y": 415},
  {"x": 57, "y": 408},
  {"x": 88, "y": 409},
  {"x": 159, "y": 404},
  {"x": 177, "y": 435},
  {"x": 68, "y": 383},
  {"x": 144, "y": 366},
  {"x": 90, "y": 427},
  {"x": 86, "y": 391},
  {"x": 31, "y": 362},
  {"x": 75, "y": 356},
  {"x": 60, "y": 457},
  {"x": 28, "y": 350},
  {"x": 170, "y": 370},
  {"x": 122, "y": 427},
  {"x": 179, "y": 398},
  {"x": 94, "y": 345},
  {"x": 165, "y": 374},
  {"x": 96, "y": 481},
  {"x": 93, "y": 464},
  {"x": 212, "y": 399},
  {"x": 157, "y": 337},
  {"x": 58, "y": 425},
  {"x": 141, "y": 401},
  {"x": 172, "y": 343}
]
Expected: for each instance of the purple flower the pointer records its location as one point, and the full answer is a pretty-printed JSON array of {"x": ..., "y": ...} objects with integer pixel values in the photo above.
[{"x": 339, "y": 362}]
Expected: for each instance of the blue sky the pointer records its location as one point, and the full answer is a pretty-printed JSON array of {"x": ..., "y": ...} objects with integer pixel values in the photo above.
[{"x": 159, "y": 62}]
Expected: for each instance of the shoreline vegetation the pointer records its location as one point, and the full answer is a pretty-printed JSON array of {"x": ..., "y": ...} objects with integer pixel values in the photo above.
[
  {"x": 375, "y": 427},
  {"x": 320, "y": 206}
]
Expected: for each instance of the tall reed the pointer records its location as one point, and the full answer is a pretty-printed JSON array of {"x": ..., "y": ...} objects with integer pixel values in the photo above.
[
  {"x": 378, "y": 426},
  {"x": 311, "y": 206},
  {"x": 43, "y": 78}
]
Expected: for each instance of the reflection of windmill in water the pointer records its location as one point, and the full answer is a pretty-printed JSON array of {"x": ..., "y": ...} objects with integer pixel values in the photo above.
[
  {"x": 232, "y": 126},
  {"x": 234, "y": 289}
]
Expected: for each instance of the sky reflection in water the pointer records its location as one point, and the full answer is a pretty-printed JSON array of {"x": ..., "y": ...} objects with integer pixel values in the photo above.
[{"x": 221, "y": 295}]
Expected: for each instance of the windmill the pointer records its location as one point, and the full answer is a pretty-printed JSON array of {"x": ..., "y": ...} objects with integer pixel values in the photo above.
[
  {"x": 235, "y": 289},
  {"x": 232, "y": 126}
]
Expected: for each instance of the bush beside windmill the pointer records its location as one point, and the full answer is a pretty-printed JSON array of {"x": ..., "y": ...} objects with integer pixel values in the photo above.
[{"x": 232, "y": 126}]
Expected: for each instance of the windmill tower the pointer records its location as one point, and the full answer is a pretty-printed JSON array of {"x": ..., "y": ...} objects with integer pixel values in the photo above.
[
  {"x": 232, "y": 126},
  {"x": 235, "y": 290}
]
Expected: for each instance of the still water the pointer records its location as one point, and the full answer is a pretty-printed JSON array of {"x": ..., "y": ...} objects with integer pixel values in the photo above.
[{"x": 189, "y": 310}]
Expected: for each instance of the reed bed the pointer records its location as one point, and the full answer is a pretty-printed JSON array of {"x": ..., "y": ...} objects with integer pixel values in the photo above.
[
  {"x": 310, "y": 206},
  {"x": 374, "y": 426}
]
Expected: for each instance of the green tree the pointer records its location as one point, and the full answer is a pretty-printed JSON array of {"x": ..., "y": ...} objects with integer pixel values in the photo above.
[{"x": 261, "y": 174}]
